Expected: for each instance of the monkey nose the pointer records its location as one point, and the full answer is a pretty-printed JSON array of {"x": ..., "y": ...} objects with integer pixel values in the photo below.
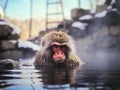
[{"x": 58, "y": 55}]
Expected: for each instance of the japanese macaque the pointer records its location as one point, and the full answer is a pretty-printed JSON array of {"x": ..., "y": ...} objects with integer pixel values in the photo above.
[{"x": 57, "y": 48}]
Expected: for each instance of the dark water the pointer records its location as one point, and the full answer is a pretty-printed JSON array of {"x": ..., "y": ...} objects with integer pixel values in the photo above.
[{"x": 99, "y": 75}]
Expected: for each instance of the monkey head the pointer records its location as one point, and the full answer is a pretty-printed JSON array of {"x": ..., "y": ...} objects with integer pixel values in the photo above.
[
  {"x": 57, "y": 47},
  {"x": 59, "y": 44}
]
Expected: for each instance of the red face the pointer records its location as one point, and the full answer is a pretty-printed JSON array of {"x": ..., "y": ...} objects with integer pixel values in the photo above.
[{"x": 59, "y": 52}]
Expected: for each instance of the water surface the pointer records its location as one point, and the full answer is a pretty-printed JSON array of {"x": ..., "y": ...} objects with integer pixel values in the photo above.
[{"x": 100, "y": 75}]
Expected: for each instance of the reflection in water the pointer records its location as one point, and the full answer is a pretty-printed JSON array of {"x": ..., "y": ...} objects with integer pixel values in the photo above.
[
  {"x": 87, "y": 77},
  {"x": 29, "y": 78},
  {"x": 57, "y": 75}
]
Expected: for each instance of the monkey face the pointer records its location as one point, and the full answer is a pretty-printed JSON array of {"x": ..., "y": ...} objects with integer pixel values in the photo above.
[
  {"x": 59, "y": 52},
  {"x": 57, "y": 47}
]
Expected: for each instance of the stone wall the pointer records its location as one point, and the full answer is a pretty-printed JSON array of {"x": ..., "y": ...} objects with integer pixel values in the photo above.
[{"x": 10, "y": 44}]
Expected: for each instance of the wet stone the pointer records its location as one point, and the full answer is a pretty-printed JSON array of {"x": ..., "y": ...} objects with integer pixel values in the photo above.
[{"x": 8, "y": 64}]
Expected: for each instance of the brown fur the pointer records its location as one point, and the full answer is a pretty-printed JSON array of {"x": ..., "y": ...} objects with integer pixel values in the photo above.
[{"x": 44, "y": 55}]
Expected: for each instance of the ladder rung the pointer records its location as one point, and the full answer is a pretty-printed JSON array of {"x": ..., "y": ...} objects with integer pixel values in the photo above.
[
  {"x": 53, "y": 3},
  {"x": 53, "y": 22},
  {"x": 54, "y": 13}
]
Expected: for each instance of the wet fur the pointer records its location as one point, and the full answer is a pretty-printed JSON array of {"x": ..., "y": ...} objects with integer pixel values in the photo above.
[{"x": 44, "y": 55}]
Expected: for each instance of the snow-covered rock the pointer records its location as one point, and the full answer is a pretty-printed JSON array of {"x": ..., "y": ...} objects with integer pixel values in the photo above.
[
  {"x": 92, "y": 11},
  {"x": 27, "y": 44},
  {"x": 8, "y": 44},
  {"x": 15, "y": 30},
  {"x": 112, "y": 2},
  {"x": 86, "y": 17},
  {"x": 114, "y": 9},
  {"x": 79, "y": 25},
  {"x": 8, "y": 31},
  {"x": 109, "y": 7},
  {"x": 101, "y": 14}
]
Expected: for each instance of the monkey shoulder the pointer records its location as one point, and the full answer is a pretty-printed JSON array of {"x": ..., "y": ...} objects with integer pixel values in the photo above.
[{"x": 74, "y": 59}]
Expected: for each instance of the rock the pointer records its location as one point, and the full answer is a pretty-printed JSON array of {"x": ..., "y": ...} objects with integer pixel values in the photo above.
[
  {"x": 4, "y": 31},
  {"x": 8, "y": 64},
  {"x": 100, "y": 8},
  {"x": 8, "y": 44},
  {"x": 77, "y": 12},
  {"x": 115, "y": 30},
  {"x": 109, "y": 20},
  {"x": 12, "y": 54},
  {"x": 77, "y": 33},
  {"x": 35, "y": 40},
  {"x": 13, "y": 37},
  {"x": 27, "y": 45},
  {"x": 8, "y": 31}
]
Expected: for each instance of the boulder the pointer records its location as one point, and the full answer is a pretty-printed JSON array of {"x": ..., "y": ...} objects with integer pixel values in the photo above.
[
  {"x": 8, "y": 64},
  {"x": 77, "y": 12},
  {"x": 8, "y": 44},
  {"x": 100, "y": 8},
  {"x": 115, "y": 30},
  {"x": 13, "y": 37},
  {"x": 4, "y": 30},
  {"x": 12, "y": 54},
  {"x": 8, "y": 31}
]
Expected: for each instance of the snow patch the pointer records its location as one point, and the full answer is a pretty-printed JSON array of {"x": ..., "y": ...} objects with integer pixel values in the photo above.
[
  {"x": 27, "y": 44},
  {"x": 13, "y": 41},
  {"x": 114, "y": 9},
  {"x": 3, "y": 23},
  {"x": 109, "y": 7},
  {"x": 112, "y": 2},
  {"x": 79, "y": 25},
  {"x": 85, "y": 17},
  {"x": 101, "y": 14},
  {"x": 15, "y": 29},
  {"x": 93, "y": 11}
]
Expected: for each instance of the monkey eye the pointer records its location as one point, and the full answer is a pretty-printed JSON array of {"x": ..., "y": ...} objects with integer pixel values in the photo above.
[
  {"x": 63, "y": 47},
  {"x": 55, "y": 46}
]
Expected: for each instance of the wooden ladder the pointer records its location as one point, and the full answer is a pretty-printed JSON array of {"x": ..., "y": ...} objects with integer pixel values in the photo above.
[{"x": 54, "y": 14}]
